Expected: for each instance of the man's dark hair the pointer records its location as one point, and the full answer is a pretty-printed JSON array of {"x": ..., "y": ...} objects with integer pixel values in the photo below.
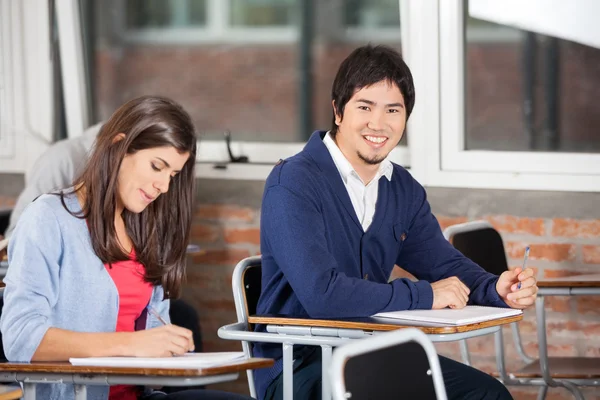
[{"x": 366, "y": 66}]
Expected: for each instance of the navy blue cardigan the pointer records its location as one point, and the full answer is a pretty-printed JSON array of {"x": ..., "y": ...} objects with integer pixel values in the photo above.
[{"x": 318, "y": 262}]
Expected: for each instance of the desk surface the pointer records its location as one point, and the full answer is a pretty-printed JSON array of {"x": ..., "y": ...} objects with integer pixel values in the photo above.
[
  {"x": 590, "y": 280},
  {"x": 68, "y": 368},
  {"x": 377, "y": 324}
]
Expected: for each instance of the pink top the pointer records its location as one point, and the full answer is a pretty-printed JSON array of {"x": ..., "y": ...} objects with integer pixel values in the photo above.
[{"x": 134, "y": 296}]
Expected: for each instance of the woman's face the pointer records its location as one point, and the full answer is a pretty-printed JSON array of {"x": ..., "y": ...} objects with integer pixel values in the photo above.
[{"x": 145, "y": 175}]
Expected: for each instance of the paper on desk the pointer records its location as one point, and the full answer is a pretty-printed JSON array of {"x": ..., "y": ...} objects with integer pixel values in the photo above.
[
  {"x": 186, "y": 361},
  {"x": 448, "y": 316}
]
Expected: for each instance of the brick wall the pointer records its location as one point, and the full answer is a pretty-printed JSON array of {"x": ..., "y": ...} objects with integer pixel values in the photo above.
[
  {"x": 559, "y": 247},
  {"x": 253, "y": 89},
  {"x": 226, "y": 226}
]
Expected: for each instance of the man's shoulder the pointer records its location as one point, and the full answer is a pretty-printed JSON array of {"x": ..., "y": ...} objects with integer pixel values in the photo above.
[{"x": 299, "y": 169}]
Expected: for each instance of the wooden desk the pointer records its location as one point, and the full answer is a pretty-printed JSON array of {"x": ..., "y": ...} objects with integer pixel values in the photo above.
[
  {"x": 372, "y": 324},
  {"x": 10, "y": 392},
  {"x": 329, "y": 333},
  {"x": 563, "y": 371},
  {"x": 63, "y": 372},
  {"x": 577, "y": 281}
]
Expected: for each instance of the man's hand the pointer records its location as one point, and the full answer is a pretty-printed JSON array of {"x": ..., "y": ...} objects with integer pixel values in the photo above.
[
  {"x": 449, "y": 292},
  {"x": 507, "y": 287}
]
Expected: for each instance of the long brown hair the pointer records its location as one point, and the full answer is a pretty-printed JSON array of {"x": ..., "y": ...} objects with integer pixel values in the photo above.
[{"x": 161, "y": 232}]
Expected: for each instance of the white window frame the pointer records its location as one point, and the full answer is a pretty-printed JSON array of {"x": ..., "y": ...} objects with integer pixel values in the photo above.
[
  {"x": 217, "y": 29},
  {"x": 26, "y": 93},
  {"x": 437, "y": 149}
]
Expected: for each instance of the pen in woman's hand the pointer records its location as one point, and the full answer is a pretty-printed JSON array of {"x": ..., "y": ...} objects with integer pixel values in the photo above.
[
  {"x": 524, "y": 263},
  {"x": 156, "y": 315}
]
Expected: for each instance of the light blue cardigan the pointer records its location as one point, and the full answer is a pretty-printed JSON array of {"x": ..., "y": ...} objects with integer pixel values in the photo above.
[{"x": 56, "y": 280}]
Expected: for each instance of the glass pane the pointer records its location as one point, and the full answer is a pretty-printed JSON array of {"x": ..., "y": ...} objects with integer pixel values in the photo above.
[
  {"x": 372, "y": 13},
  {"x": 165, "y": 13},
  {"x": 260, "y": 91},
  {"x": 530, "y": 92},
  {"x": 263, "y": 12}
]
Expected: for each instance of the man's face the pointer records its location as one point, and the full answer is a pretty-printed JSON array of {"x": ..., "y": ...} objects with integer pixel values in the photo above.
[{"x": 373, "y": 124}]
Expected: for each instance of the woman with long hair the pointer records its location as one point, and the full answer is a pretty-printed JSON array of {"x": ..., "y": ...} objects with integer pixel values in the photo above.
[{"x": 89, "y": 262}]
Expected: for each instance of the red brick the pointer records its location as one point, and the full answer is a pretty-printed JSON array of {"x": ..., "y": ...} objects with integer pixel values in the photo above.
[
  {"x": 542, "y": 251},
  {"x": 593, "y": 351},
  {"x": 7, "y": 202},
  {"x": 205, "y": 233},
  {"x": 535, "y": 269},
  {"x": 591, "y": 330},
  {"x": 225, "y": 212},
  {"x": 588, "y": 304},
  {"x": 527, "y": 327},
  {"x": 449, "y": 349},
  {"x": 559, "y": 350},
  {"x": 449, "y": 221},
  {"x": 510, "y": 224},
  {"x": 591, "y": 254},
  {"x": 221, "y": 257},
  {"x": 243, "y": 235},
  {"x": 559, "y": 273},
  {"x": 558, "y": 303},
  {"x": 554, "y": 328},
  {"x": 576, "y": 228}
]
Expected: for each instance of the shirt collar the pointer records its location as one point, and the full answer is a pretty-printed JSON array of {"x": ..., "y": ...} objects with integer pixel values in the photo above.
[{"x": 345, "y": 168}]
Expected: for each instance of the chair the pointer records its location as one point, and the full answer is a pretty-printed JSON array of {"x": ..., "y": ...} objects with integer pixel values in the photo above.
[
  {"x": 482, "y": 244},
  {"x": 246, "y": 283},
  {"x": 385, "y": 365},
  {"x": 4, "y": 220}
]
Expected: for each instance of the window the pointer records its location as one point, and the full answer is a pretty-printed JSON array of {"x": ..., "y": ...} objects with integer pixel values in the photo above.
[
  {"x": 261, "y": 13},
  {"x": 509, "y": 108},
  {"x": 142, "y": 14},
  {"x": 269, "y": 94}
]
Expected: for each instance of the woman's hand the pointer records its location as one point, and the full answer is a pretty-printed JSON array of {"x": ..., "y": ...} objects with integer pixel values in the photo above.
[{"x": 165, "y": 341}]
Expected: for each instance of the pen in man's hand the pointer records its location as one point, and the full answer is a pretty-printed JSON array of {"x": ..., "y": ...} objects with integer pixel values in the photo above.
[
  {"x": 157, "y": 315},
  {"x": 524, "y": 263}
]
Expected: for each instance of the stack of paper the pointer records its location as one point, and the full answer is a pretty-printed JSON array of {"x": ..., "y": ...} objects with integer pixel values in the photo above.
[
  {"x": 448, "y": 316},
  {"x": 186, "y": 361}
]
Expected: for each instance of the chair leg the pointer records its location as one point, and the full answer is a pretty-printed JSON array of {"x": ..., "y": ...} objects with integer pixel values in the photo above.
[
  {"x": 464, "y": 351},
  {"x": 543, "y": 390}
]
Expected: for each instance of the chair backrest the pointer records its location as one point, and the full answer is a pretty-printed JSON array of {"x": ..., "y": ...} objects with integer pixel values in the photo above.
[
  {"x": 245, "y": 282},
  {"x": 398, "y": 364},
  {"x": 4, "y": 220},
  {"x": 480, "y": 242}
]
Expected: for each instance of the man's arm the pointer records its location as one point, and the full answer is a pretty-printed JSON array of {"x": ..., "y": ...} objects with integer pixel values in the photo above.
[
  {"x": 429, "y": 256},
  {"x": 46, "y": 176},
  {"x": 294, "y": 234}
]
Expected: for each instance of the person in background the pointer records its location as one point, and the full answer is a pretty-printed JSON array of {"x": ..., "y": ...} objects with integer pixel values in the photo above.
[
  {"x": 91, "y": 265},
  {"x": 339, "y": 215}
]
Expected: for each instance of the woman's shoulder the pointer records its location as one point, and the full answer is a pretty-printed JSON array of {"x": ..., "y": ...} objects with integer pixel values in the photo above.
[{"x": 51, "y": 206}]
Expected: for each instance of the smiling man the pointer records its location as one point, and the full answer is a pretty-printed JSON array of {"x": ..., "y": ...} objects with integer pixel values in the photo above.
[{"x": 338, "y": 216}]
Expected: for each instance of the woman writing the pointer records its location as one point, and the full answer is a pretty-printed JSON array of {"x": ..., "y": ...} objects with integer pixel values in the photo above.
[{"x": 86, "y": 263}]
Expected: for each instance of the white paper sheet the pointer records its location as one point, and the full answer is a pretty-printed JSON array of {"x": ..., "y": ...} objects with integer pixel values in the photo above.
[
  {"x": 187, "y": 361},
  {"x": 447, "y": 316}
]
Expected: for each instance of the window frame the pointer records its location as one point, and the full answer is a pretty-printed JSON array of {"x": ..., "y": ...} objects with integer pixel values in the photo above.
[
  {"x": 438, "y": 154},
  {"x": 26, "y": 97}
]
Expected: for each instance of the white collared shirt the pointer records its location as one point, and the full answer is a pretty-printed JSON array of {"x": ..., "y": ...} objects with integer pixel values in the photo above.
[{"x": 363, "y": 197}]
